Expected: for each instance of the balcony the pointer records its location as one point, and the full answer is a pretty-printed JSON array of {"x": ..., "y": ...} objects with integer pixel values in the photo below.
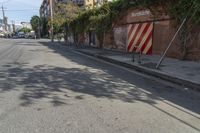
[{"x": 78, "y": 2}]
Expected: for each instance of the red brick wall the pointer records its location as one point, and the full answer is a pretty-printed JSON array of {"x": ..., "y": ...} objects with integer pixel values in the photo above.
[
  {"x": 162, "y": 35},
  {"x": 164, "y": 32},
  {"x": 109, "y": 40},
  {"x": 120, "y": 37}
]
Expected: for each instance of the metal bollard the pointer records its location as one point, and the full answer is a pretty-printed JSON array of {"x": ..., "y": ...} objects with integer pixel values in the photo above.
[
  {"x": 139, "y": 60},
  {"x": 133, "y": 57}
]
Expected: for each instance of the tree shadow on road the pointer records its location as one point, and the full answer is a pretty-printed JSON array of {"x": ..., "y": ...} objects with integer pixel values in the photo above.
[
  {"x": 100, "y": 80},
  {"x": 106, "y": 81},
  {"x": 51, "y": 82},
  {"x": 166, "y": 92}
]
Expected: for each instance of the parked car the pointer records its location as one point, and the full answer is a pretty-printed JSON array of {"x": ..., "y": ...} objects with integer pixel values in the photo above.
[
  {"x": 30, "y": 35},
  {"x": 14, "y": 37},
  {"x": 21, "y": 35},
  {"x": 2, "y": 35}
]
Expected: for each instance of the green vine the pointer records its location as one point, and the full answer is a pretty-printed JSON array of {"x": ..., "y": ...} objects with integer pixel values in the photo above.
[{"x": 101, "y": 19}]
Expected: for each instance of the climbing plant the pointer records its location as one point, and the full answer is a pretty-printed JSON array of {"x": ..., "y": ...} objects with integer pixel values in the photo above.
[
  {"x": 189, "y": 9},
  {"x": 101, "y": 19},
  {"x": 64, "y": 15}
]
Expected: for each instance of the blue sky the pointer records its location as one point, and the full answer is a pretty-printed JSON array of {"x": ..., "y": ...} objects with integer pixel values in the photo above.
[{"x": 31, "y": 8}]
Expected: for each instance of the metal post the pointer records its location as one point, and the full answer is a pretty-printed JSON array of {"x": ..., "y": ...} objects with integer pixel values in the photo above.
[
  {"x": 13, "y": 26},
  {"x": 133, "y": 57},
  {"x": 165, "y": 52},
  {"x": 4, "y": 21},
  {"x": 52, "y": 31},
  {"x": 139, "y": 60}
]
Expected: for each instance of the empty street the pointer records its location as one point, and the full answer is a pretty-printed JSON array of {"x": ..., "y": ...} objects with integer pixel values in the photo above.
[{"x": 51, "y": 88}]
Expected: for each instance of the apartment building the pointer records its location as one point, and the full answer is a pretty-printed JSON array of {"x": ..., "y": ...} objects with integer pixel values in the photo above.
[
  {"x": 78, "y": 2},
  {"x": 26, "y": 25},
  {"x": 45, "y": 9},
  {"x": 1, "y": 24},
  {"x": 89, "y": 3},
  {"x": 4, "y": 24}
]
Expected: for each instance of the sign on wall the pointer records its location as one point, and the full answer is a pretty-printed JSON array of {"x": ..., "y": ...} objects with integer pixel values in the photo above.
[
  {"x": 141, "y": 13},
  {"x": 140, "y": 38}
]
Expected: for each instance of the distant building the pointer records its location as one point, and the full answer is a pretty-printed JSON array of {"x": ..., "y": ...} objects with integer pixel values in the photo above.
[
  {"x": 9, "y": 28},
  {"x": 18, "y": 27},
  {"x": 79, "y": 2},
  {"x": 89, "y": 3},
  {"x": 26, "y": 25},
  {"x": 1, "y": 25},
  {"x": 45, "y": 8}
]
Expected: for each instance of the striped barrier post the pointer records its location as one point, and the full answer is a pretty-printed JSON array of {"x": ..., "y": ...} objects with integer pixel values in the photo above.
[{"x": 140, "y": 38}]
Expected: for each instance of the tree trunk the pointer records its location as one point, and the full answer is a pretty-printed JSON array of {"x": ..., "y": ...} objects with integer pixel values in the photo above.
[{"x": 66, "y": 33}]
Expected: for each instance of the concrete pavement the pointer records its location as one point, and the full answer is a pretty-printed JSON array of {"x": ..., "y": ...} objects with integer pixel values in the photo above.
[
  {"x": 186, "y": 73},
  {"x": 47, "y": 88}
]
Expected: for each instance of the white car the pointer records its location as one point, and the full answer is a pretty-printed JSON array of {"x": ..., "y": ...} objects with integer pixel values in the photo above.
[{"x": 2, "y": 35}]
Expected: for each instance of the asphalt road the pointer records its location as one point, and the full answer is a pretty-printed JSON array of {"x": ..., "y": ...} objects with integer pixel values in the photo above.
[{"x": 49, "y": 88}]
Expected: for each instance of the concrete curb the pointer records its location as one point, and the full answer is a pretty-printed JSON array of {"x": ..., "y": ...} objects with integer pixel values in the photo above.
[{"x": 148, "y": 71}]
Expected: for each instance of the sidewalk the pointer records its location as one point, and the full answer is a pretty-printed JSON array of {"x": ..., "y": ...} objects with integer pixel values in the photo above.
[{"x": 186, "y": 73}]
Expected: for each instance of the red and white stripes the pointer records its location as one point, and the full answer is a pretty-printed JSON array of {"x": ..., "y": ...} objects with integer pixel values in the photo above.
[{"x": 140, "y": 38}]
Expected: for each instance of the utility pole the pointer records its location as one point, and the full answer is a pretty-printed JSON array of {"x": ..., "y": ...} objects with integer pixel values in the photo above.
[
  {"x": 4, "y": 19},
  {"x": 52, "y": 30},
  {"x": 13, "y": 26}
]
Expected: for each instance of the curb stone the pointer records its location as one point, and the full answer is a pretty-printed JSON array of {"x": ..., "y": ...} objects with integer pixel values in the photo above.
[{"x": 148, "y": 71}]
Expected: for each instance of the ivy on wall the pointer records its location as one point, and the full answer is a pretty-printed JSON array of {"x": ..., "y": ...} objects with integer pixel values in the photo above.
[{"x": 101, "y": 19}]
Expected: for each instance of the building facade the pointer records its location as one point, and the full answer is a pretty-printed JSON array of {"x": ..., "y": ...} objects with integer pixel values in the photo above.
[
  {"x": 89, "y": 3},
  {"x": 45, "y": 9},
  {"x": 1, "y": 25},
  {"x": 79, "y": 2},
  {"x": 4, "y": 24},
  {"x": 26, "y": 25},
  {"x": 18, "y": 27}
]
